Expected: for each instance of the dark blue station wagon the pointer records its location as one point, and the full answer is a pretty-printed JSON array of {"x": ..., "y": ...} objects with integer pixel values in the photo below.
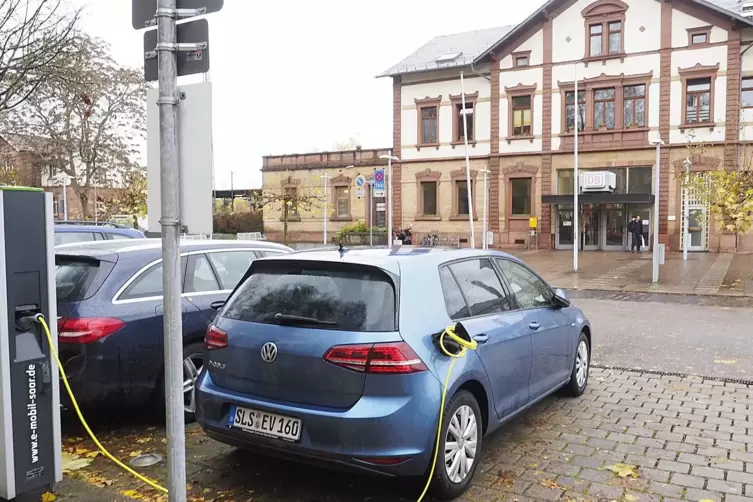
[{"x": 110, "y": 308}]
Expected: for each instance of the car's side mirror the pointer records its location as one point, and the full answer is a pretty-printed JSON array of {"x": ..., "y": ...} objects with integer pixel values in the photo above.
[
  {"x": 560, "y": 299},
  {"x": 217, "y": 305}
]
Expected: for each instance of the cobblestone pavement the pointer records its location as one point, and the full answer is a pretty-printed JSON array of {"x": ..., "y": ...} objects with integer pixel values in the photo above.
[
  {"x": 701, "y": 274},
  {"x": 681, "y": 338},
  {"x": 686, "y": 438}
]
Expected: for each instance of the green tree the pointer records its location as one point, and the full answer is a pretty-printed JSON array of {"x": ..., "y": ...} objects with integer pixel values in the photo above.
[
  {"x": 727, "y": 192},
  {"x": 131, "y": 199}
]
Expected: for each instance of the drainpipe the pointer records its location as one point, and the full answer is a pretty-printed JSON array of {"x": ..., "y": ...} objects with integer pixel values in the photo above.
[{"x": 488, "y": 79}]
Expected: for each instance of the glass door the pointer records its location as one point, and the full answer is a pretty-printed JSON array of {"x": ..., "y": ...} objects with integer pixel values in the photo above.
[
  {"x": 697, "y": 229},
  {"x": 615, "y": 229},
  {"x": 591, "y": 229},
  {"x": 564, "y": 228}
]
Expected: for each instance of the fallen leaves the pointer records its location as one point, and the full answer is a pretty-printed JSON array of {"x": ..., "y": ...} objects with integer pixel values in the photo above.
[
  {"x": 551, "y": 484},
  {"x": 624, "y": 470},
  {"x": 73, "y": 462},
  {"x": 48, "y": 497},
  {"x": 726, "y": 361},
  {"x": 506, "y": 478}
]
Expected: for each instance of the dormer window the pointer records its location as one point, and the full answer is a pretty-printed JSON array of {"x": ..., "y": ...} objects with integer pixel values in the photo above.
[{"x": 605, "y": 28}]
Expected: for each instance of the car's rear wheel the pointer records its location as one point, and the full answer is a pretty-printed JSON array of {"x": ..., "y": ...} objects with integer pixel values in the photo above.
[
  {"x": 581, "y": 368},
  {"x": 193, "y": 361},
  {"x": 460, "y": 447}
]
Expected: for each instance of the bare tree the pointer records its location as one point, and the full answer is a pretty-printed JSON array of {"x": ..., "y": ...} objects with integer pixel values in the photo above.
[
  {"x": 290, "y": 202},
  {"x": 34, "y": 36},
  {"x": 352, "y": 143},
  {"x": 91, "y": 112}
]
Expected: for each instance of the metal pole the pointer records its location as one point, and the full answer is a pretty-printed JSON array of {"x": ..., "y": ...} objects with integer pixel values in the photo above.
[
  {"x": 655, "y": 264},
  {"x": 65, "y": 199},
  {"x": 467, "y": 163},
  {"x": 484, "y": 241},
  {"x": 371, "y": 212},
  {"x": 389, "y": 200},
  {"x": 95, "y": 203},
  {"x": 232, "y": 193},
  {"x": 169, "y": 183},
  {"x": 685, "y": 213},
  {"x": 325, "y": 208},
  {"x": 576, "y": 178}
]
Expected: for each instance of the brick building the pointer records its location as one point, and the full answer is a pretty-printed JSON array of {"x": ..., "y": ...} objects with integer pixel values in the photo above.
[{"x": 679, "y": 70}]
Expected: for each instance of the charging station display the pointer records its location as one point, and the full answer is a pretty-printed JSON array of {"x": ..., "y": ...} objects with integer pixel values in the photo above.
[{"x": 29, "y": 392}]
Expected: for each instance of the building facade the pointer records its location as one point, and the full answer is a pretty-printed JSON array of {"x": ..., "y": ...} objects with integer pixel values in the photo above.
[
  {"x": 298, "y": 182},
  {"x": 678, "y": 70}
]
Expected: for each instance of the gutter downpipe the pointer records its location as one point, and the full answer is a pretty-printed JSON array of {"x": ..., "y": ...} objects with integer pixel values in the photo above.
[
  {"x": 740, "y": 86},
  {"x": 488, "y": 79}
]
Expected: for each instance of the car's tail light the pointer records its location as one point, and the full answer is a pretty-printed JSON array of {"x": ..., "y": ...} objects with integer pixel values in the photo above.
[
  {"x": 215, "y": 338},
  {"x": 391, "y": 358},
  {"x": 87, "y": 330}
]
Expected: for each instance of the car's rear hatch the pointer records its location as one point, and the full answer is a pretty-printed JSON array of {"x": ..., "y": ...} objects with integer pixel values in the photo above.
[
  {"x": 284, "y": 319},
  {"x": 78, "y": 277}
]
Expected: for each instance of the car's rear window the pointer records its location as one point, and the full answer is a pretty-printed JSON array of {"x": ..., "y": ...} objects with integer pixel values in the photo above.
[
  {"x": 339, "y": 296},
  {"x": 74, "y": 277}
]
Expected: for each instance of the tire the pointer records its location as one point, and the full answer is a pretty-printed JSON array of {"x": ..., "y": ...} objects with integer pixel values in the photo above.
[
  {"x": 195, "y": 353},
  {"x": 448, "y": 483},
  {"x": 577, "y": 384}
]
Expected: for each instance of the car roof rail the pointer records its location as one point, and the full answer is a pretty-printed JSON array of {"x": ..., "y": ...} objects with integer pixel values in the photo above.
[{"x": 90, "y": 223}]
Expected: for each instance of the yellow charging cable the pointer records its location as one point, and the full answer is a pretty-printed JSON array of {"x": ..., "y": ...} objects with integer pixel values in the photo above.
[
  {"x": 465, "y": 345},
  {"x": 153, "y": 484}
]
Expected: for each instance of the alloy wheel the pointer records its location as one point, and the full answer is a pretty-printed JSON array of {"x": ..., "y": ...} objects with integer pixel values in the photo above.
[
  {"x": 191, "y": 368},
  {"x": 581, "y": 364},
  {"x": 461, "y": 444}
]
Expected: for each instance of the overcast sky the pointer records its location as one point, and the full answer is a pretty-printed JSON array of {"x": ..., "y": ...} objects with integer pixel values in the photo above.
[{"x": 291, "y": 76}]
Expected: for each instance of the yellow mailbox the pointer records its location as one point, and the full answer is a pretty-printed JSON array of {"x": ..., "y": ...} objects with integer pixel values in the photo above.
[{"x": 533, "y": 222}]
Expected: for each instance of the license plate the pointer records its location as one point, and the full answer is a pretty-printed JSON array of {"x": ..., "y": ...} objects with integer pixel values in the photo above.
[{"x": 265, "y": 424}]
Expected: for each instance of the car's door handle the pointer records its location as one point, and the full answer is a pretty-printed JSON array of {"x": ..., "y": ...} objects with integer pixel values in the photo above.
[
  {"x": 534, "y": 325},
  {"x": 481, "y": 338}
]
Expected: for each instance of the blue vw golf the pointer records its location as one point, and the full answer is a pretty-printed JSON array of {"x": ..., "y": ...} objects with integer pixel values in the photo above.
[{"x": 332, "y": 357}]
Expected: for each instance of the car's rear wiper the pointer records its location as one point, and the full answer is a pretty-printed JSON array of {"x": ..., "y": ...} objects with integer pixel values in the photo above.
[{"x": 297, "y": 319}]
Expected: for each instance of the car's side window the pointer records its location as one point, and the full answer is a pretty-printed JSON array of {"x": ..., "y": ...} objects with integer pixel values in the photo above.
[
  {"x": 118, "y": 237},
  {"x": 71, "y": 237},
  {"x": 530, "y": 291},
  {"x": 98, "y": 236},
  {"x": 231, "y": 265},
  {"x": 271, "y": 253},
  {"x": 481, "y": 286},
  {"x": 148, "y": 284},
  {"x": 200, "y": 277},
  {"x": 453, "y": 298}
]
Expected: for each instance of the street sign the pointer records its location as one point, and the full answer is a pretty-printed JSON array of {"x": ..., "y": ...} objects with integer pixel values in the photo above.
[
  {"x": 195, "y": 153},
  {"x": 143, "y": 11},
  {"x": 189, "y": 62},
  {"x": 360, "y": 185},
  {"x": 379, "y": 185}
]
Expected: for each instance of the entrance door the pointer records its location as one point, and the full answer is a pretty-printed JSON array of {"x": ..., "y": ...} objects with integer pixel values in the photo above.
[
  {"x": 614, "y": 229},
  {"x": 591, "y": 229},
  {"x": 564, "y": 228},
  {"x": 697, "y": 229}
]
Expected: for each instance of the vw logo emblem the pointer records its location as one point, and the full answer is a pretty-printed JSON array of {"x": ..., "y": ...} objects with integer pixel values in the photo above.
[{"x": 269, "y": 352}]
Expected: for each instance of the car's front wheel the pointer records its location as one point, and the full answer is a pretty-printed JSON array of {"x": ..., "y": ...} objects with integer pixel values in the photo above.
[
  {"x": 459, "y": 448},
  {"x": 581, "y": 368}
]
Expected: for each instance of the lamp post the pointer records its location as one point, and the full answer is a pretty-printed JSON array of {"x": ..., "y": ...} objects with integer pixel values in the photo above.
[
  {"x": 389, "y": 158},
  {"x": 658, "y": 142},
  {"x": 484, "y": 238},
  {"x": 64, "y": 179},
  {"x": 232, "y": 193},
  {"x": 576, "y": 174}
]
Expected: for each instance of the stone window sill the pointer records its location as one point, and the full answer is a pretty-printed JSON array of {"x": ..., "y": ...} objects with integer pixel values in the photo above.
[
  {"x": 427, "y": 145},
  {"x": 340, "y": 218},
  {"x": 427, "y": 217},
  {"x": 698, "y": 125},
  {"x": 462, "y": 143},
  {"x": 604, "y": 58},
  {"x": 461, "y": 217},
  {"x": 528, "y": 137}
]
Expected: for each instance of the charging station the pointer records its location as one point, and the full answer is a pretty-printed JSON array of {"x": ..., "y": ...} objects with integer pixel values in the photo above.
[{"x": 30, "y": 438}]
